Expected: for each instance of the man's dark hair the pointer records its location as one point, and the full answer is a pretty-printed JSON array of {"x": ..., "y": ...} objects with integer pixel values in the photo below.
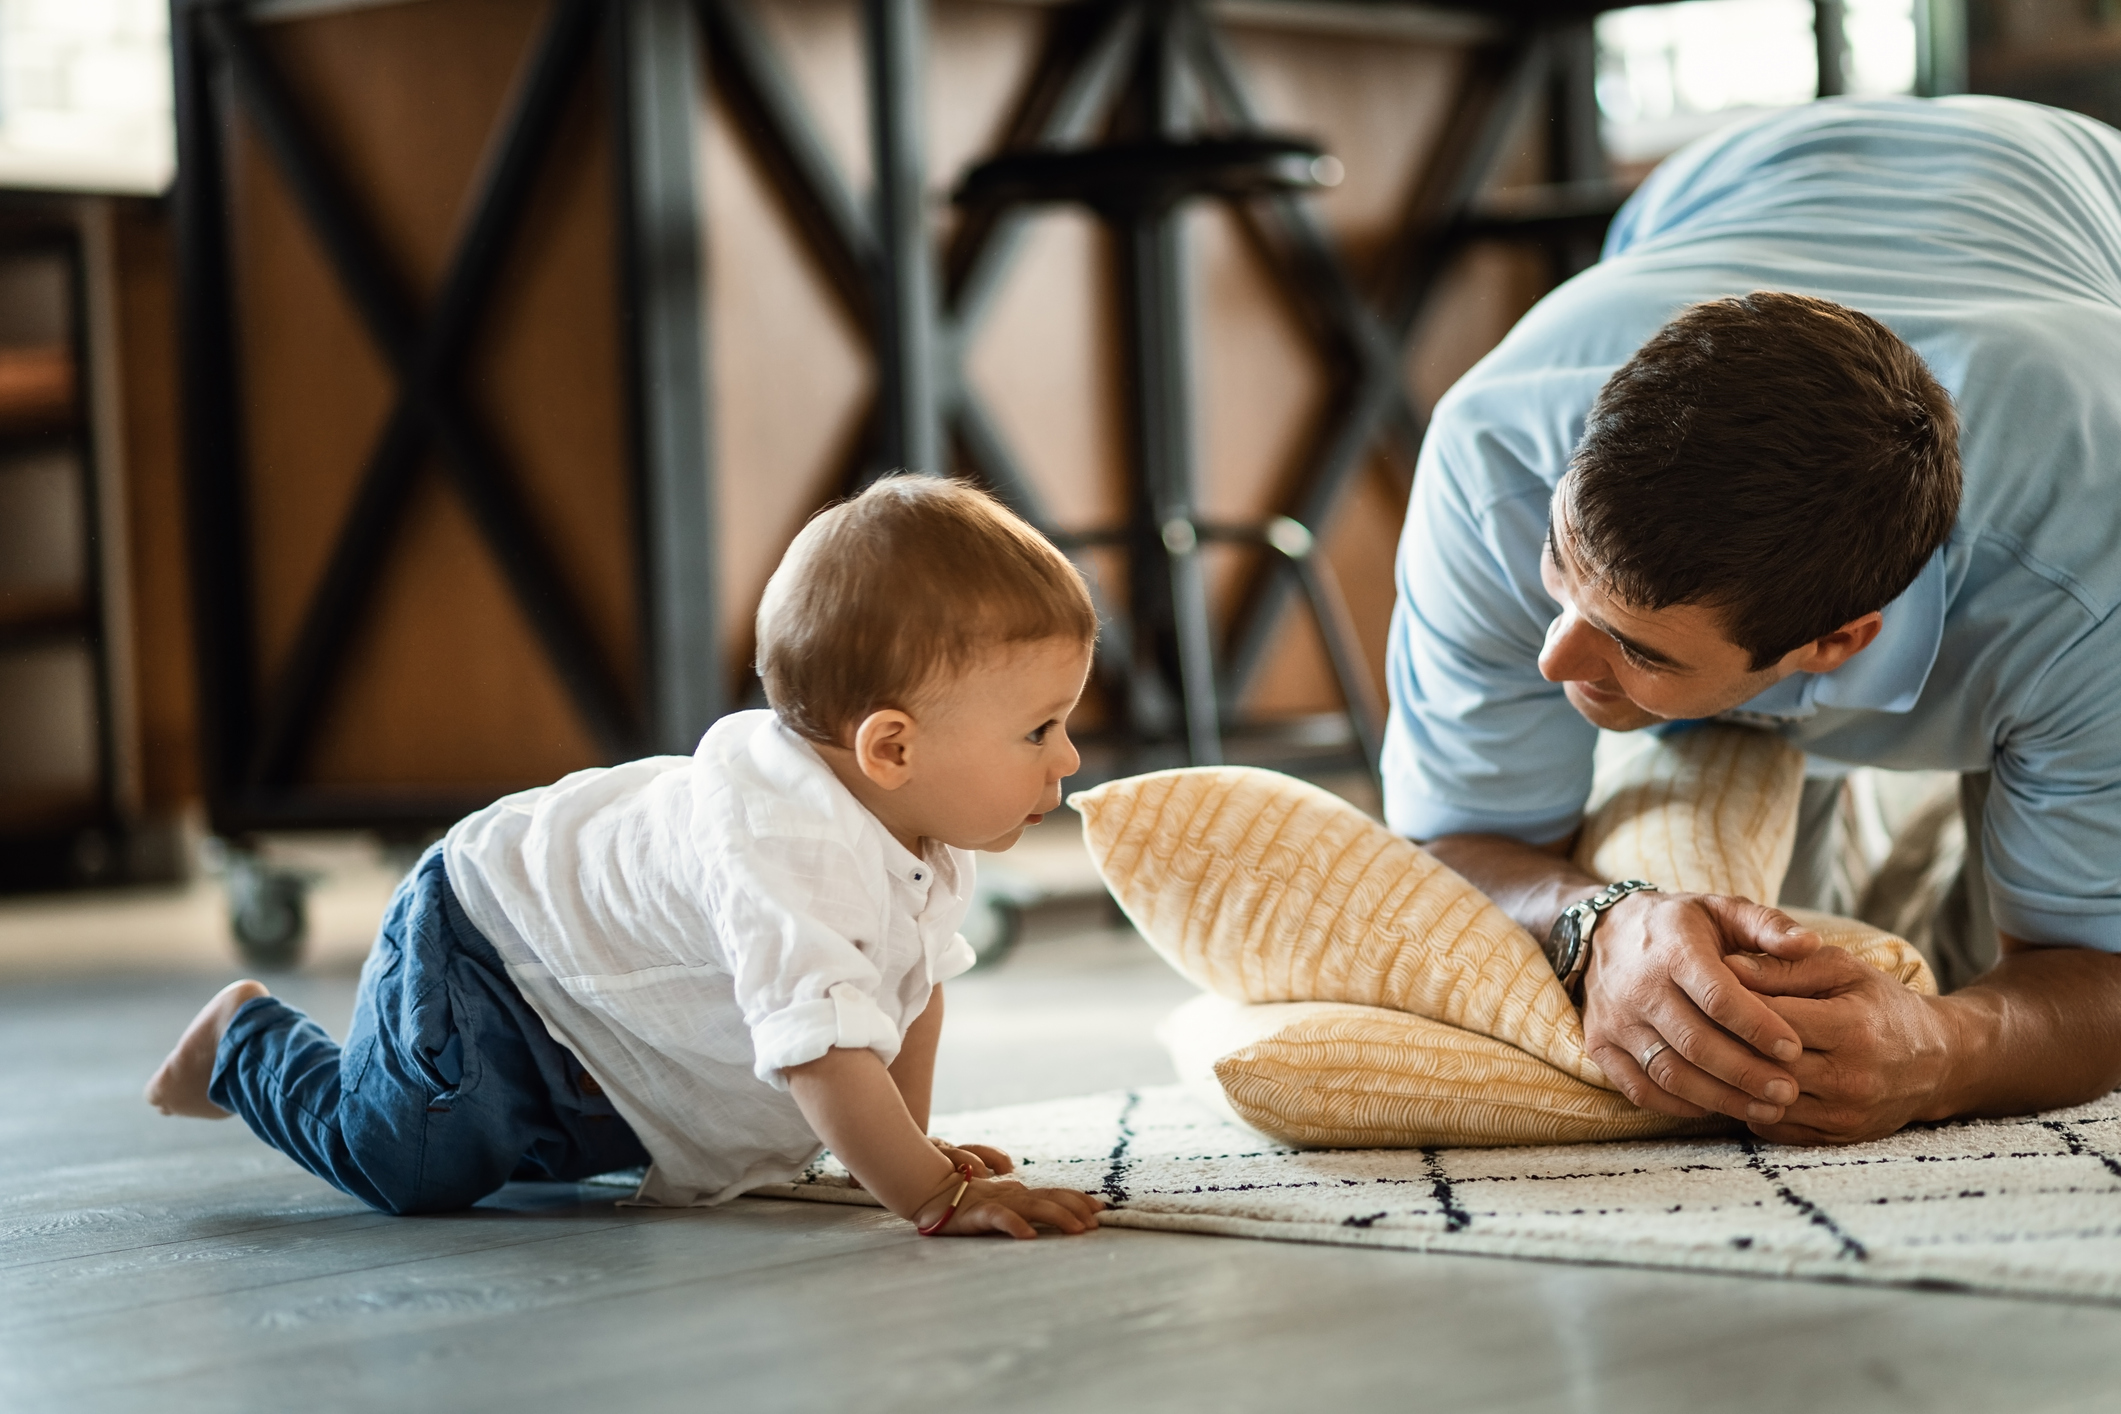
[{"x": 1786, "y": 461}]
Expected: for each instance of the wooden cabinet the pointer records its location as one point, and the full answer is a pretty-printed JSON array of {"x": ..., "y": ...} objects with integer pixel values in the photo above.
[
  {"x": 72, "y": 805},
  {"x": 378, "y": 653},
  {"x": 2066, "y": 53}
]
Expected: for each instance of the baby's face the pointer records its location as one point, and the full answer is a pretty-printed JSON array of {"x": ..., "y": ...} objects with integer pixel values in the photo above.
[{"x": 993, "y": 746}]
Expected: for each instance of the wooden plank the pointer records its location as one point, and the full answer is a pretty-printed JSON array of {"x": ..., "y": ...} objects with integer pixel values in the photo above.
[
  {"x": 776, "y": 1306},
  {"x": 179, "y": 1266}
]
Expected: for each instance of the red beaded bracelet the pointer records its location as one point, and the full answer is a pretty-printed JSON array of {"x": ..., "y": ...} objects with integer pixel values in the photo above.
[{"x": 964, "y": 1172}]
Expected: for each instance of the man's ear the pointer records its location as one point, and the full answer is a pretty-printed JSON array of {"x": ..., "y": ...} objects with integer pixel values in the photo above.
[
  {"x": 1823, "y": 655},
  {"x": 883, "y": 747}
]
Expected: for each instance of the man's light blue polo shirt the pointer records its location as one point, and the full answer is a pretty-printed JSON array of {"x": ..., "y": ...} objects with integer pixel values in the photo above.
[{"x": 1986, "y": 233}]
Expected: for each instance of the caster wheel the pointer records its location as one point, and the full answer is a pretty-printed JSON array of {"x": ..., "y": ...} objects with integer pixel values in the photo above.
[{"x": 268, "y": 912}]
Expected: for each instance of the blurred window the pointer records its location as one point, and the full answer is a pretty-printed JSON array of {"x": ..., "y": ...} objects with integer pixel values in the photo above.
[
  {"x": 85, "y": 95},
  {"x": 1669, "y": 73}
]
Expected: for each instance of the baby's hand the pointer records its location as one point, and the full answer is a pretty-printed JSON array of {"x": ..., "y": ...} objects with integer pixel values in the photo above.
[
  {"x": 1006, "y": 1206},
  {"x": 986, "y": 1161}
]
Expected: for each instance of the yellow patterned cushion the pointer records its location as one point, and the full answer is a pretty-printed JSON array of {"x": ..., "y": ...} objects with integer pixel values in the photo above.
[
  {"x": 1707, "y": 811},
  {"x": 1894, "y": 956},
  {"x": 1423, "y": 1015},
  {"x": 1714, "y": 811},
  {"x": 1262, "y": 888},
  {"x": 1327, "y": 1075}
]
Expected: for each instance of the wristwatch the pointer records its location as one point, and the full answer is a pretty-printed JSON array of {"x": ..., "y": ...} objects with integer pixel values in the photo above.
[{"x": 1568, "y": 946}]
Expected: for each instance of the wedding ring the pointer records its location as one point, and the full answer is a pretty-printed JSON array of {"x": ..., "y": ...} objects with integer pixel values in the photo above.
[{"x": 1651, "y": 1052}]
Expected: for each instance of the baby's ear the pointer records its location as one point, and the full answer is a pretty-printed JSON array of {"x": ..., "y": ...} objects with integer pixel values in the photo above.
[{"x": 883, "y": 747}]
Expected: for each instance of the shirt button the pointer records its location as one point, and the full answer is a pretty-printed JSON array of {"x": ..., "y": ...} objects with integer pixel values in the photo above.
[{"x": 917, "y": 876}]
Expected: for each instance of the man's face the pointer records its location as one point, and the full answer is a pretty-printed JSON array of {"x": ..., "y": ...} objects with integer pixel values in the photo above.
[{"x": 1625, "y": 668}]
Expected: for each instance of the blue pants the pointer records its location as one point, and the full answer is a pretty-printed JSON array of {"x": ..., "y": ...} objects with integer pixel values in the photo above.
[{"x": 448, "y": 1085}]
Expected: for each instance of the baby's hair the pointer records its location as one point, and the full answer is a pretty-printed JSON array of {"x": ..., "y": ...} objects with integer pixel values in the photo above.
[{"x": 884, "y": 593}]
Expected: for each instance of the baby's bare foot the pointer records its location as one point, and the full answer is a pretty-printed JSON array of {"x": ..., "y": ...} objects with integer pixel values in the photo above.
[{"x": 179, "y": 1087}]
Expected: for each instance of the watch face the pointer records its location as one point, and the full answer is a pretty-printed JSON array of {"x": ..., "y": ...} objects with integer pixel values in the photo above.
[{"x": 1565, "y": 942}]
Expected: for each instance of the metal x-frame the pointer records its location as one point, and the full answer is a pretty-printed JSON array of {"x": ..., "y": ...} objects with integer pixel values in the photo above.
[
  {"x": 878, "y": 264},
  {"x": 256, "y": 734},
  {"x": 1368, "y": 333},
  {"x": 920, "y": 308}
]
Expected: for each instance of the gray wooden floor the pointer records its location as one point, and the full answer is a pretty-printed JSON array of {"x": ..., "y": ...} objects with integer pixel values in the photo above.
[{"x": 154, "y": 1264}]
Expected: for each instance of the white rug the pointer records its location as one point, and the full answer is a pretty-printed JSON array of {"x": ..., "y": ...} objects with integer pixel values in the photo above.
[{"x": 2024, "y": 1207}]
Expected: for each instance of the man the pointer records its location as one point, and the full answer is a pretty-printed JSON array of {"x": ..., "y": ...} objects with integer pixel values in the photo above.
[{"x": 1773, "y": 513}]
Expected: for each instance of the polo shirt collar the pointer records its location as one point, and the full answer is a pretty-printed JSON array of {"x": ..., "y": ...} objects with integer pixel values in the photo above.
[{"x": 1888, "y": 676}]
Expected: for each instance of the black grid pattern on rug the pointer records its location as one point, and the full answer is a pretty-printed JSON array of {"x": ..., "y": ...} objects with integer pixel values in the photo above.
[{"x": 2026, "y": 1207}]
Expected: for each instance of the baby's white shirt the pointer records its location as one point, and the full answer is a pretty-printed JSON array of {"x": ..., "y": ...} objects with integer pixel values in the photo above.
[{"x": 691, "y": 926}]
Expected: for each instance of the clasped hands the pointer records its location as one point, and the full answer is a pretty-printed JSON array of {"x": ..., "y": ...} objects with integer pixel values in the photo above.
[{"x": 1759, "y": 1021}]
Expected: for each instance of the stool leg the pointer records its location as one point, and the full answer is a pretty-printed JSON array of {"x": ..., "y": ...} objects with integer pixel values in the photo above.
[
  {"x": 1336, "y": 626},
  {"x": 1161, "y": 398},
  {"x": 1196, "y": 653},
  {"x": 897, "y": 39}
]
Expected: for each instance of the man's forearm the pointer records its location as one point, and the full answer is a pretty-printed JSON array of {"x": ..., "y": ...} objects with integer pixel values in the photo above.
[
  {"x": 2040, "y": 1030},
  {"x": 1531, "y": 883}
]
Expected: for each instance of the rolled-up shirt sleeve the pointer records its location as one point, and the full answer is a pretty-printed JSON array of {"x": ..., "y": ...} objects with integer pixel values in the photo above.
[
  {"x": 802, "y": 980},
  {"x": 2051, "y": 831},
  {"x": 957, "y": 959},
  {"x": 1478, "y": 741}
]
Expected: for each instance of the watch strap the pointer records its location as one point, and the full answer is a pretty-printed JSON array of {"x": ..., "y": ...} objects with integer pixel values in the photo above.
[
  {"x": 1597, "y": 904},
  {"x": 1568, "y": 945}
]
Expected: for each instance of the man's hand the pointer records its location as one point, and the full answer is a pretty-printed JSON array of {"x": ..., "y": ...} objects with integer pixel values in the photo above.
[
  {"x": 1876, "y": 1054},
  {"x": 1661, "y": 971},
  {"x": 2040, "y": 1030}
]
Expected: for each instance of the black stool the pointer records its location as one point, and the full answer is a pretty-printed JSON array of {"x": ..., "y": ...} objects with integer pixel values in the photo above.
[{"x": 1135, "y": 188}]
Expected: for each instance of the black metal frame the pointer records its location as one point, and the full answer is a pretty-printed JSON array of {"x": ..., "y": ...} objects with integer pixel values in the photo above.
[
  {"x": 876, "y": 256},
  {"x": 1136, "y": 187},
  {"x": 1830, "y": 42},
  {"x": 1097, "y": 58},
  {"x": 656, "y": 75},
  {"x": 1168, "y": 47},
  {"x": 95, "y": 849},
  {"x": 1145, "y": 51},
  {"x": 919, "y": 307},
  {"x": 1368, "y": 335},
  {"x": 256, "y": 734}
]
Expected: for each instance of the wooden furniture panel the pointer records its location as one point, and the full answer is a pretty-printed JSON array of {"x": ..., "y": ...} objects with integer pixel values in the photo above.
[
  {"x": 2066, "y": 53},
  {"x": 65, "y": 798},
  {"x": 445, "y": 687},
  {"x": 149, "y": 436}
]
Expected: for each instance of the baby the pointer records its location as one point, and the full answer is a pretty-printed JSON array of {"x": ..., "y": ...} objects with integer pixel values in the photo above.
[{"x": 709, "y": 964}]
